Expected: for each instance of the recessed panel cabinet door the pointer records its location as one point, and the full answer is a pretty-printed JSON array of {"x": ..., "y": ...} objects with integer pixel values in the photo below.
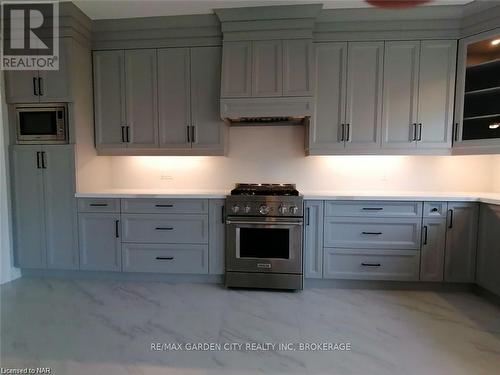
[
  {"x": 21, "y": 86},
  {"x": 488, "y": 252},
  {"x": 267, "y": 68},
  {"x": 60, "y": 206},
  {"x": 99, "y": 237},
  {"x": 461, "y": 244},
  {"x": 364, "y": 95},
  {"x": 400, "y": 94},
  {"x": 29, "y": 220},
  {"x": 436, "y": 93},
  {"x": 205, "y": 94},
  {"x": 141, "y": 98},
  {"x": 55, "y": 85},
  {"x": 325, "y": 131},
  {"x": 313, "y": 239},
  {"x": 298, "y": 68},
  {"x": 432, "y": 250},
  {"x": 216, "y": 236},
  {"x": 174, "y": 97},
  {"x": 237, "y": 69},
  {"x": 109, "y": 98}
]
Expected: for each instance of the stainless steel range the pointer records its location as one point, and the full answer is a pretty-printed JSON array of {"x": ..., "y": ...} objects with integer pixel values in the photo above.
[{"x": 264, "y": 236}]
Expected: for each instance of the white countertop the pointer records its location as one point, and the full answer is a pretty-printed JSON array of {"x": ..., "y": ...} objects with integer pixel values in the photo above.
[{"x": 492, "y": 198}]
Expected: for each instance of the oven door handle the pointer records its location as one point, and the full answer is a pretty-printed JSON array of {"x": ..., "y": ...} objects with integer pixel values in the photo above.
[{"x": 264, "y": 222}]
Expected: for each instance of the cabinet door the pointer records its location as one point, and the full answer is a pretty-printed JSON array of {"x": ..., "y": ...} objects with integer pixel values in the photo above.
[
  {"x": 174, "y": 97},
  {"x": 364, "y": 95},
  {"x": 399, "y": 113},
  {"x": 237, "y": 69},
  {"x": 60, "y": 206},
  {"x": 205, "y": 93},
  {"x": 436, "y": 90},
  {"x": 432, "y": 251},
  {"x": 55, "y": 85},
  {"x": 313, "y": 239},
  {"x": 325, "y": 131},
  {"x": 109, "y": 98},
  {"x": 29, "y": 220},
  {"x": 267, "y": 68},
  {"x": 99, "y": 238},
  {"x": 216, "y": 236},
  {"x": 141, "y": 98},
  {"x": 460, "y": 254},
  {"x": 21, "y": 86},
  {"x": 298, "y": 66},
  {"x": 488, "y": 252}
]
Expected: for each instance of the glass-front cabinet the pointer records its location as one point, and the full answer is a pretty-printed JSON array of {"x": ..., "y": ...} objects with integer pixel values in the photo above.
[{"x": 477, "y": 107}]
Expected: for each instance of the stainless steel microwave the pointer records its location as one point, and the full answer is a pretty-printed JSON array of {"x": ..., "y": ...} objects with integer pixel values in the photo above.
[{"x": 41, "y": 123}]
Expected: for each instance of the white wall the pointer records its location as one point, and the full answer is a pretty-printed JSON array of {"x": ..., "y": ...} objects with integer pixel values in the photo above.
[
  {"x": 7, "y": 270},
  {"x": 276, "y": 154},
  {"x": 496, "y": 174}
]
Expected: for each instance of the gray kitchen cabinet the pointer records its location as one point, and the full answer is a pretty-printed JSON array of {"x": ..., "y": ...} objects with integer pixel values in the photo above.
[
  {"x": 400, "y": 99},
  {"x": 99, "y": 240},
  {"x": 298, "y": 67},
  {"x": 364, "y": 95},
  {"x": 325, "y": 130},
  {"x": 208, "y": 128},
  {"x": 33, "y": 86},
  {"x": 267, "y": 68},
  {"x": 488, "y": 252},
  {"x": 164, "y": 206},
  {"x": 216, "y": 236},
  {"x": 44, "y": 206},
  {"x": 109, "y": 98},
  {"x": 141, "y": 98},
  {"x": 436, "y": 93},
  {"x": 461, "y": 242},
  {"x": 313, "y": 239},
  {"x": 174, "y": 97},
  {"x": 237, "y": 69},
  {"x": 393, "y": 209},
  {"x": 432, "y": 250}
]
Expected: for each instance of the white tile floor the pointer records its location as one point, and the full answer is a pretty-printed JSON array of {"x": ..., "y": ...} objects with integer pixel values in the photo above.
[{"x": 105, "y": 327}]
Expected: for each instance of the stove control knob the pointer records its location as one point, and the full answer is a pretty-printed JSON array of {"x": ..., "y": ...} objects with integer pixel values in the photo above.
[
  {"x": 247, "y": 209},
  {"x": 235, "y": 208},
  {"x": 293, "y": 209},
  {"x": 264, "y": 210},
  {"x": 282, "y": 209}
]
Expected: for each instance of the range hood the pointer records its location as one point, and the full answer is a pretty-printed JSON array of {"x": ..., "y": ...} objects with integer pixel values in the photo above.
[{"x": 268, "y": 64}]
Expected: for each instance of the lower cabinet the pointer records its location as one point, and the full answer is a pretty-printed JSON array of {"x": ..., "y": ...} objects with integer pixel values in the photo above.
[
  {"x": 165, "y": 258},
  {"x": 100, "y": 243},
  {"x": 313, "y": 239},
  {"x": 216, "y": 236},
  {"x": 369, "y": 264},
  {"x": 432, "y": 251},
  {"x": 488, "y": 252}
]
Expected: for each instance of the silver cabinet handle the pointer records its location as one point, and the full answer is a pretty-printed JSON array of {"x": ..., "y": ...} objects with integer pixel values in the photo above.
[
  {"x": 164, "y": 258},
  {"x": 371, "y": 264},
  {"x": 425, "y": 234},
  {"x": 35, "y": 91},
  {"x": 164, "y": 228},
  {"x": 413, "y": 132},
  {"x": 267, "y": 223},
  {"x": 419, "y": 132},
  {"x": 40, "y": 86}
]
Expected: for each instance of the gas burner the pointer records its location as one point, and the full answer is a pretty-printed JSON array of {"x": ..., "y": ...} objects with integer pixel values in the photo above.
[{"x": 265, "y": 189}]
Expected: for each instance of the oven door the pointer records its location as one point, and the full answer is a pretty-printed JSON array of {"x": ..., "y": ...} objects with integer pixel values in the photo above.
[
  {"x": 38, "y": 124},
  {"x": 264, "y": 245}
]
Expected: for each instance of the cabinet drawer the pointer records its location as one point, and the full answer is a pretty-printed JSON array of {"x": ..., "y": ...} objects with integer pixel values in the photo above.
[
  {"x": 98, "y": 205},
  {"x": 165, "y": 258},
  {"x": 371, "y": 264},
  {"x": 372, "y": 233},
  {"x": 167, "y": 206},
  {"x": 373, "y": 209},
  {"x": 435, "y": 209},
  {"x": 157, "y": 228}
]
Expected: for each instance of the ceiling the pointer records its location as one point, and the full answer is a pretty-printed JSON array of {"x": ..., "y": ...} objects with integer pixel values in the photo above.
[{"x": 105, "y": 9}]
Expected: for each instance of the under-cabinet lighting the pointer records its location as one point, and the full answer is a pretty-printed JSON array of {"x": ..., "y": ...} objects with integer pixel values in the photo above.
[
  {"x": 495, "y": 42},
  {"x": 496, "y": 125}
]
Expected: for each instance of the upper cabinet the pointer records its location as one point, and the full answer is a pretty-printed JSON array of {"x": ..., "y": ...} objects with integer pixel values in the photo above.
[
  {"x": 164, "y": 101},
  {"x": 418, "y": 94},
  {"x": 268, "y": 68},
  {"x": 348, "y": 97},
  {"x": 42, "y": 86},
  {"x": 477, "y": 113}
]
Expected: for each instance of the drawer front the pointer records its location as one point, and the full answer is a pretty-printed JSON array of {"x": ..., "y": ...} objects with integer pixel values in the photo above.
[
  {"x": 362, "y": 233},
  {"x": 435, "y": 209},
  {"x": 98, "y": 205},
  {"x": 165, "y": 228},
  {"x": 373, "y": 209},
  {"x": 371, "y": 264},
  {"x": 165, "y": 258},
  {"x": 166, "y": 206}
]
